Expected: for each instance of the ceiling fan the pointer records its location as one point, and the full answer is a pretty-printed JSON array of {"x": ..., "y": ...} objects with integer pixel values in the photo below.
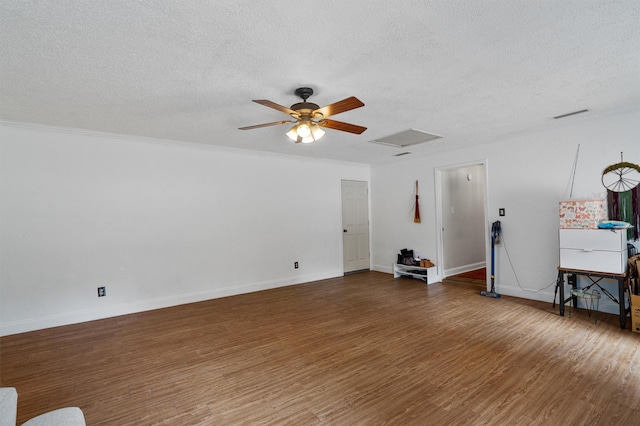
[{"x": 309, "y": 118}]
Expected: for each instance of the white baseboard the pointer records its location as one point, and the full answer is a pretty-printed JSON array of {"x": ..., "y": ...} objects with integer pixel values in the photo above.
[
  {"x": 465, "y": 268},
  {"x": 76, "y": 317},
  {"x": 39, "y": 323},
  {"x": 388, "y": 269},
  {"x": 547, "y": 295}
]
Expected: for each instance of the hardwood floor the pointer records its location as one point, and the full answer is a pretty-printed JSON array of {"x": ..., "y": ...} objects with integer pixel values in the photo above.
[
  {"x": 478, "y": 284},
  {"x": 361, "y": 349}
]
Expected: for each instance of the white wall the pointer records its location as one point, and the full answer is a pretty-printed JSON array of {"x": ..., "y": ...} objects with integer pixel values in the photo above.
[
  {"x": 157, "y": 223},
  {"x": 527, "y": 174},
  {"x": 160, "y": 224}
]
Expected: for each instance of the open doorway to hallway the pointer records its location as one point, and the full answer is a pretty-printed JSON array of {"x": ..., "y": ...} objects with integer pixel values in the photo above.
[{"x": 462, "y": 233}]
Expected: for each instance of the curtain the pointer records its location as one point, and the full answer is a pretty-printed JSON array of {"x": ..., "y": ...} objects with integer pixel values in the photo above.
[{"x": 625, "y": 206}]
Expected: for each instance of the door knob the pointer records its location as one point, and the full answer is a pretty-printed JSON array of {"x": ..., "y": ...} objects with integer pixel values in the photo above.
[{"x": 344, "y": 230}]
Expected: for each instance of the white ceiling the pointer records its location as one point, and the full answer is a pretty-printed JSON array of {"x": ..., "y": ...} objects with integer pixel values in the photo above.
[{"x": 188, "y": 70}]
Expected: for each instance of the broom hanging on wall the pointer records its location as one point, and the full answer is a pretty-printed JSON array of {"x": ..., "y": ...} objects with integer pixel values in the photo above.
[{"x": 416, "y": 216}]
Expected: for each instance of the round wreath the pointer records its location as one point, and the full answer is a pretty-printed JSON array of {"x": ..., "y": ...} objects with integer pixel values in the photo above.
[{"x": 621, "y": 177}]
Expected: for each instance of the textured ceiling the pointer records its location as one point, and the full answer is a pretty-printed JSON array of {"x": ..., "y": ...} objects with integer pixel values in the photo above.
[{"x": 188, "y": 70}]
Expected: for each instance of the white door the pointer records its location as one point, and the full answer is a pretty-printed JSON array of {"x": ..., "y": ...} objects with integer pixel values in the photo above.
[{"x": 355, "y": 225}]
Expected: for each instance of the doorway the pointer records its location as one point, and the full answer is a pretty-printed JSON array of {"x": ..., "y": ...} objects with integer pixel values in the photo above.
[
  {"x": 355, "y": 226},
  {"x": 462, "y": 212}
]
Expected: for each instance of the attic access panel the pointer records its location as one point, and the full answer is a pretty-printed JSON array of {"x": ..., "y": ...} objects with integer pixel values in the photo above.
[{"x": 406, "y": 138}]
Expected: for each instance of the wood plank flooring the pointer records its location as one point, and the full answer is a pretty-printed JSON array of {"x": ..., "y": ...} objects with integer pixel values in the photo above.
[
  {"x": 363, "y": 349},
  {"x": 479, "y": 284}
]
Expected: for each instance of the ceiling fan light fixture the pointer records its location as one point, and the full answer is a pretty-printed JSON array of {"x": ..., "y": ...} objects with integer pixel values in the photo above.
[
  {"x": 305, "y": 132},
  {"x": 310, "y": 119},
  {"x": 317, "y": 132}
]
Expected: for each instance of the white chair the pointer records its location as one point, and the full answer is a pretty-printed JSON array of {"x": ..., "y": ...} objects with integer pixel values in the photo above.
[
  {"x": 8, "y": 406},
  {"x": 70, "y": 416}
]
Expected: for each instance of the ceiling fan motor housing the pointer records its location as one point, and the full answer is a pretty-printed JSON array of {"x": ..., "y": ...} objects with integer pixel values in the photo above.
[{"x": 304, "y": 108}]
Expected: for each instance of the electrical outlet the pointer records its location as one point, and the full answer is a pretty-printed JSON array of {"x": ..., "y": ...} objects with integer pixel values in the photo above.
[
  {"x": 295, "y": 265},
  {"x": 102, "y": 291}
]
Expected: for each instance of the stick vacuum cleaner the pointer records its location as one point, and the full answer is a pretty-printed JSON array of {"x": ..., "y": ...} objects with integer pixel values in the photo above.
[{"x": 495, "y": 239}]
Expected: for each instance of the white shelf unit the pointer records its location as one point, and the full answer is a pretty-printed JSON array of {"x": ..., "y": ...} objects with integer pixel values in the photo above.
[{"x": 410, "y": 271}]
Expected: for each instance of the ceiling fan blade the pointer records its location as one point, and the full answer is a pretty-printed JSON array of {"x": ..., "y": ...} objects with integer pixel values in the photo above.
[
  {"x": 345, "y": 127},
  {"x": 275, "y": 123},
  {"x": 340, "y": 106},
  {"x": 274, "y": 106}
]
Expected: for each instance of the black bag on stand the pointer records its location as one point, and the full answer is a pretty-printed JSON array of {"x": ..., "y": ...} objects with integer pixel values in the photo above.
[{"x": 406, "y": 257}]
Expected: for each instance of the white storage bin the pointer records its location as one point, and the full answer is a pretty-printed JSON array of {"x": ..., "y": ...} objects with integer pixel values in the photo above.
[{"x": 597, "y": 250}]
